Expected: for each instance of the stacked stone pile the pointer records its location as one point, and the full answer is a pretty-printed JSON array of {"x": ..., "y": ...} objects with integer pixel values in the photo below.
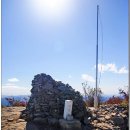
[
  {"x": 109, "y": 117},
  {"x": 46, "y": 104}
]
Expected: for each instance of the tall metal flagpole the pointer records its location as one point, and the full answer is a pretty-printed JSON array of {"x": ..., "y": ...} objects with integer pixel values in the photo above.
[{"x": 96, "y": 93}]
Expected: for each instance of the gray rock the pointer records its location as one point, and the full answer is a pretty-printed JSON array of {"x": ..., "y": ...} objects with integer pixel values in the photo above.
[
  {"x": 53, "y": 121},
  {"x": 69, "y": 118},
  {"x": 70, "y": 125},
  {"x": 40, "y": 120},
  {"x": 87, "y": 120},
  {"x": 118, "y": 120}
]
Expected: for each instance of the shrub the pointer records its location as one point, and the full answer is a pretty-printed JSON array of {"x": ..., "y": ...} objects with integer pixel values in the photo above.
[
  {"x": 124, "y": 103},
  {"x": 114, "y": 100},
  {"x": 18, "y": 103},
  {"x": 123, "y": 100},
  {"x": 89, "y": 95},
  {"x": 125, "y": 95}
]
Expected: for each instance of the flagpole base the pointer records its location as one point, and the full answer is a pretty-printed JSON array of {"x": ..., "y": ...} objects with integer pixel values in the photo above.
[{"x": 96, "y": 101}]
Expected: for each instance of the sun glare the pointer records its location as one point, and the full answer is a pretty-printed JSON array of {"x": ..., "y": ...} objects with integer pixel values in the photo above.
[{"x": 51, "y": 9}]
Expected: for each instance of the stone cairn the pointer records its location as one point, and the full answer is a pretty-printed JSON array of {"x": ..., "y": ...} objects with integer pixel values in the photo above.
[{"x": 46, "y": 104}]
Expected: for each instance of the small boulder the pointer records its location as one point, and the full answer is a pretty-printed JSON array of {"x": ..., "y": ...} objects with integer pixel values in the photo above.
[
  {"x": 118, "y": 120},
  {"x": 40, "y": 120}
]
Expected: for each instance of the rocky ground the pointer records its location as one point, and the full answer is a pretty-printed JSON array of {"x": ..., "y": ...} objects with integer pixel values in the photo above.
[
  {"x": 113, "y": 117},
  {"x": 109, "y": 117},
  {"x": 10, "y": 118}
]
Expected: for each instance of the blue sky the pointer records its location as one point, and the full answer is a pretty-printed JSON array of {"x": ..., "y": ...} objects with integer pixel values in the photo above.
[{"x": 59, "y": 38}]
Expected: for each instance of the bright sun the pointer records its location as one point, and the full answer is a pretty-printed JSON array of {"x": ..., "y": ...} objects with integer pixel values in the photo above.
[{"x": 51, "y": 9}]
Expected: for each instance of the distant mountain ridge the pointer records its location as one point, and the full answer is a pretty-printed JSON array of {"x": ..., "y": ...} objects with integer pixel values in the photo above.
[{"x": 4, "y": 102}]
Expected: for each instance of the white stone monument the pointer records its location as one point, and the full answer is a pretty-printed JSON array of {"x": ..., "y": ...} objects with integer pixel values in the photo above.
[{"x": 68, "y": 108}]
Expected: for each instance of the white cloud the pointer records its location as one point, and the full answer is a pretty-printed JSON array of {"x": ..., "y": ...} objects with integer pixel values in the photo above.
[
  {"x": 13, "y": 80},
  {"x": 69, "y": 76},
  {"x": 87, "y": 78},
  {"x": 9, "y": 84},
  {"x": 123, "y": 70},
  {"x": 112, "y": 68},
  {"x": 102, "y": 68},
  {"x": 12, "y": 90}
]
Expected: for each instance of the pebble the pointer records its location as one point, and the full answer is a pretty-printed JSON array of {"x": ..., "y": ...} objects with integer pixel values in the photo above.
[{"x": 10, "y": 119}]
